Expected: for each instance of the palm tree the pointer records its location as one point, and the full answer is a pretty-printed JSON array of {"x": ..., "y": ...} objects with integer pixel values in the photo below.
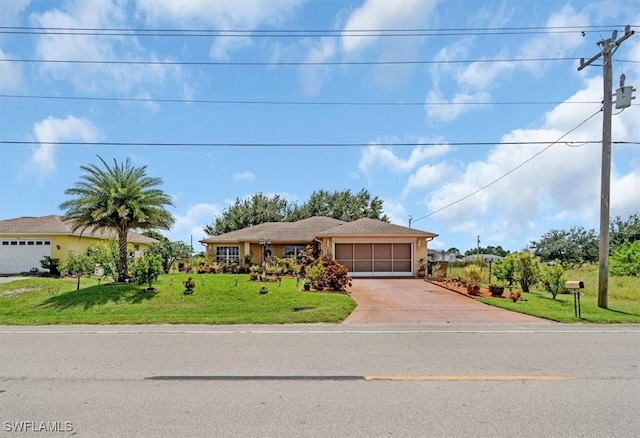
[{"x": 120, "y": 198}]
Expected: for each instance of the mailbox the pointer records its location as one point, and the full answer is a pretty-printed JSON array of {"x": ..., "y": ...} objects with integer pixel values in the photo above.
[{"x": 577, "y": 284}]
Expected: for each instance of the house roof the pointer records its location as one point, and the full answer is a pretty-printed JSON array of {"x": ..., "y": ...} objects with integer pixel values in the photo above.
[
  {"x": 306, "y": 230},
  {"x": 372, "y": 227},
  {"x": 56, "y": 225}
]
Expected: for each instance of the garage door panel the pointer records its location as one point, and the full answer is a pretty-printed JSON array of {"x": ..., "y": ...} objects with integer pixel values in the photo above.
[
  {"x": 402, "y": 251},
  {"x": 22, "y": 255},
  {"x": 344, "y": 251},
  {"x": 376, "y": 259},
  {"x": 362, "y": 251}
]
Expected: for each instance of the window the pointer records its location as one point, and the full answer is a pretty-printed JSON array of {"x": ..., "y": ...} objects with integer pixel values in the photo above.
[
  {"x": 47, "y": 242},
  {"x": 228, "y": 254},
  {"x": 293, "y": 250},
  {"x": 5, "y": 243},
  {"x": 30, "y": 243},
  {"x": 39, "y": 242}
]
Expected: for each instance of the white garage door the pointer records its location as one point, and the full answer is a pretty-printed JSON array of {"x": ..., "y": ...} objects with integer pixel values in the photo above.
[
  {"x": 376, "y": 259},
  {"x": 22, "y": 255}
]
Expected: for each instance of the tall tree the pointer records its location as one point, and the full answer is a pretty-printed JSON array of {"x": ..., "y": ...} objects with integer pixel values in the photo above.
[
  {"x": 118, "y": 197},
  {"x": 253, "y": 210},
  {"x": 342, "y": 205},
  {"x": 259, "y": 208},
  {"x": 572, "y": 247},
  {"x": 169, "y": 252},
  {"x": 624, "y": 231}
]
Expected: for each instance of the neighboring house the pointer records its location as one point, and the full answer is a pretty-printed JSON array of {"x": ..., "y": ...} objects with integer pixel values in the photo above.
[
  {"x": 25, "y": 241},
  {"x": 436, "y": 255},
  {"x": 367, "y": 247},
  {"x": 483, "y": 257}
]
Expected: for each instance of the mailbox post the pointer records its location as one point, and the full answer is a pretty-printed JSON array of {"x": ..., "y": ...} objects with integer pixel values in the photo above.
[{"x": 575, "y": 286}]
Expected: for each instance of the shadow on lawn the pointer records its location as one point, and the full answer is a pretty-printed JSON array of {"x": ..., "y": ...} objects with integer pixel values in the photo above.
[{"x": 100, "y": 295}]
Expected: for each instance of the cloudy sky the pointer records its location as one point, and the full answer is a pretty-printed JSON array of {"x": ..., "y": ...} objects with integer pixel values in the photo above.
[{"x": 421, "y": 102}]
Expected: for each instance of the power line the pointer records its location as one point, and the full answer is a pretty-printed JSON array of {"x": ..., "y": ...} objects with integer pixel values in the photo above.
[
  {"x": 275, "y": 144},
  {"x": 515, "y": 168},
  {"x": 281, "y": 63},
  {"x": 278, "y": 33},
  {"x": 284, "y": 102}
]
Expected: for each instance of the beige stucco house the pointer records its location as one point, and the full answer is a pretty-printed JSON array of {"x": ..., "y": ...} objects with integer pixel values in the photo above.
[
  {"x": 367, "y": 247},
  {"x": 24, "y": 241}
]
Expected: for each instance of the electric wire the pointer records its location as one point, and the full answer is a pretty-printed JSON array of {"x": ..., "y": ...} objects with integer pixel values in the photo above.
[
  {"x": 282, "y": 63},
  {"x": 303, "y": 33},
  {"x": 277, "y": 144},
  {"x": 451, "y": 204},
  {"x": 282, "y": 102}
]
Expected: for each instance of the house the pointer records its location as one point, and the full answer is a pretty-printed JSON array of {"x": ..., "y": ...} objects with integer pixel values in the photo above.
[
  {"x": 436, "y": 255},
  {"x": 367, "y": 247},
  {"x": 24, "y": 241},
  {"x": 483, "y": 257}
]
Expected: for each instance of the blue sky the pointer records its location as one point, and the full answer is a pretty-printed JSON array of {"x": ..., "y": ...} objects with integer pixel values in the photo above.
[{"x": 260, "y": 95}]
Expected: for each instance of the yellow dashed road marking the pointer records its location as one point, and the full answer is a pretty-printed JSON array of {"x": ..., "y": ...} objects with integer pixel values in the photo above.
[{"x": 467, "y": 377}]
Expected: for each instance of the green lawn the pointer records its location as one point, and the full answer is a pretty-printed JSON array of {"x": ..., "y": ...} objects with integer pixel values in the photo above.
[
  {"x": 623, "y": 297},
  {"x": 217, "y": 299}
]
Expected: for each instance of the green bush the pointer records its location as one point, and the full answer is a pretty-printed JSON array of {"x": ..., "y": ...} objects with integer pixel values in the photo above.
[
  {"x": 528, "y": 269},
  {"x": 625, "y": 260},
  {"x": 553, "y": 279},
  {"x": 147, "y": 269}
]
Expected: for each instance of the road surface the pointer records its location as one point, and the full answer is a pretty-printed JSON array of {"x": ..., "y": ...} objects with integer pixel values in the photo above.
[{"x": 440, "y": 380}]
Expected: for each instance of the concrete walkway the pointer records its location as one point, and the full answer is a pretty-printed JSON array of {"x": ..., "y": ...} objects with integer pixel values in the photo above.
[{"x": 417, "y": 301}]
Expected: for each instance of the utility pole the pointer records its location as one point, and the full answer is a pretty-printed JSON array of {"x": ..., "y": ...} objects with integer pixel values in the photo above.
[{"x": 609, "y": 46}]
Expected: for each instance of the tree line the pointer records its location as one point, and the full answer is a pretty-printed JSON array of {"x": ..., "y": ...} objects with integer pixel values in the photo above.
[{"x": 260, "y": 208}]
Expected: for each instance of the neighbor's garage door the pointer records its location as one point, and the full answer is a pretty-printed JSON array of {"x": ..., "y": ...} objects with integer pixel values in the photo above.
[
  {"x": 375, "y": 259},
  {"x": 22, "y": 255}
]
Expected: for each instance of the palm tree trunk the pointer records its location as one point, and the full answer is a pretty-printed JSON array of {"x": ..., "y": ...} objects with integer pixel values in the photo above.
[{"x": 123, "y": 271}]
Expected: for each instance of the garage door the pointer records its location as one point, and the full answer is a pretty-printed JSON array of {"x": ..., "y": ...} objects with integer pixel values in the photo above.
[
  {"x": 22, "y": 255},
  {"x": 376, "y": 259}
]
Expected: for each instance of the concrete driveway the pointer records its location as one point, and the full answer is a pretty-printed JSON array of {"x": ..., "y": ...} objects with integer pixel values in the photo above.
[{"x": 417, "y": 301}]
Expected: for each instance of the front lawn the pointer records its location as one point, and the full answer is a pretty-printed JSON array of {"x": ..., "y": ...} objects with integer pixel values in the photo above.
[
  {"x": 217, "y": 299},
  {"x": 623, "y": 297}
]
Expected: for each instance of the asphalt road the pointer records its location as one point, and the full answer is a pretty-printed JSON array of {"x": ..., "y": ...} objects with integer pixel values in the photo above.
[{"x": 485, "y": 380}]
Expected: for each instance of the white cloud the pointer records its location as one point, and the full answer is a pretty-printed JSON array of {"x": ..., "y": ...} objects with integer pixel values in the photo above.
[
  {"x": 452, "y": 112},
  {"x": 220, "y": 14},
  {"x": 376, "y": 155},
  {"x": 396, "y": 211},
  {"x": 51, "y": 129},
  {"x": 478, "y": 79},
  {"x": 312, "y": 75},
  {"x": 97, "y": 77},
  {"x": 11, "y": 74},
  {"x": 562, "y": 183},
  {"x": 192, "y": 223},
  {"x": 11, "y": 10},
  {"x": 244, "y": 176},
  {"x": 380, "y": 15},
  {"x": 625, "y": 193},
  {"x": 429, "y": 175}
]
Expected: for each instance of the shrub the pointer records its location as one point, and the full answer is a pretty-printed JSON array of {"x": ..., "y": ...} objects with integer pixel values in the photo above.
[
  {"x": 625, "y": 259},
  {"x": 528, "y": 269},
  {"x": 47, "y": 262},
  {"x": 553, "y": 279},
  {"x": 147, "y": 269},
  {"x": 505, "y": 271},
  {"x": 473, "y": 275},
  {"x": 336, "y": 274}
]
